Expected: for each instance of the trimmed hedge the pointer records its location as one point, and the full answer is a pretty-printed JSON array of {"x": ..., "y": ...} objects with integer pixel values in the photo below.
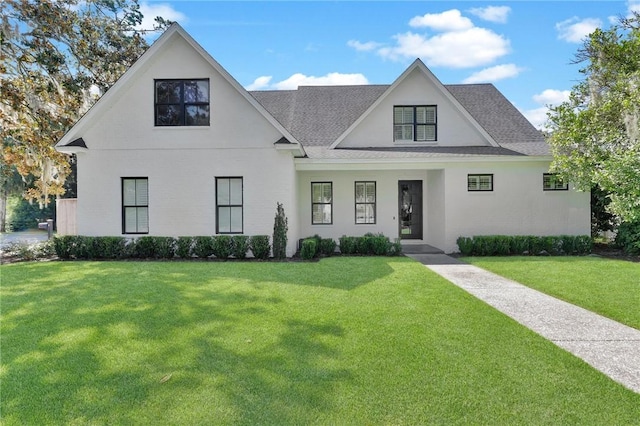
[
  {"x": 523, "y": 245},
  {"x": 309, "y": 248}
]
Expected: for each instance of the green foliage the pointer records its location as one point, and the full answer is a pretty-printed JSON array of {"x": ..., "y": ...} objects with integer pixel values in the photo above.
[
  {"x": 165, "y": 247},
  {"x": 145, "y": 247},
  {"x": 203, "y": 246},
  {"x": 280, "y": 228},
  {"x": 327, "y": 246},
  {"x": 63, "y": 246},
  {"x": 309, "y": 248},
  {"x": 222, "y": 247},
  {"x": 184, "y": 247},
  {"x": 25, "y": 215},
  {"x": 108, "y": 248},
  {"x": 240, "y": 246},
  {"x": 395, "y": 249},
  {"x": 501, "y": 245},
  {"x": 259, "y": 246},
  {"x": 628, "y": 237},
  {"x": 348, "y": 245},
  {"x": 595, "y": 136}
]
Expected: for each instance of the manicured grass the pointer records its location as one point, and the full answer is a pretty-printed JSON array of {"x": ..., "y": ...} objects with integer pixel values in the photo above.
[
  {"x": 606, "y": 286},
  {"x": 340, "y": 341}
]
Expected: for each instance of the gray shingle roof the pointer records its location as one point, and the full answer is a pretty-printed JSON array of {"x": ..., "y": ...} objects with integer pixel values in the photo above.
[{"x": 317, "y": 115}]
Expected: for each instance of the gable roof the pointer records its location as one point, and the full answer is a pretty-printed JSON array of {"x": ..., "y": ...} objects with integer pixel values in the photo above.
[
  {"x": 175, "y": 30},
  {"x": 319, "y": 115}
]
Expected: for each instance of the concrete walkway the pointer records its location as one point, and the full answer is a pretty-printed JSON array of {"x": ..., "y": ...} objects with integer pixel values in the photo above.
[{"x": 606, "y": 345}]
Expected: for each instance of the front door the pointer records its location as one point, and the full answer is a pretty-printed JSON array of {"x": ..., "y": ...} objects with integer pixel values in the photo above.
[{"x": 410, "y": 209}]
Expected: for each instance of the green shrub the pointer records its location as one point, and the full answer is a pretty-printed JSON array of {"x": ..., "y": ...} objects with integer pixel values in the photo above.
[
  {"x": 108, "y": 248},
  {"x": 584, "y": 244},
  {"x": 327, "y": 246},
  {"x": 348, "y": 245},
  {"x": 502, "y": 246},
  {"x": 280, "y": 228},
  {"x": 308, "y": 249},
  {"x": 63, "y": 246},
  {"x": 518, "y": 244},
  {"x": 222, "y": 246},
  {"x": 259, "y": 246},
  {"x": 184, "y": 247},
  {"x": 165, "y": 247},
  {"x": 203, "y": 246},
  {"x": 364, "y": 244},
  {"x": 240, "y": 246},
  {"x": 465, "y": 245},
  {"x": 628, "y": 237},
  {"x": 395, "y": 248},
  {"x": 144, "y": 247},
  {"x": 379, "y": 245}
]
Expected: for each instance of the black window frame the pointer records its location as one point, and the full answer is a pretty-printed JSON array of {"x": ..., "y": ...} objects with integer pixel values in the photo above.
[
  {"x": 181, "y": 104},
  {"x": 230, "y": 206},
  {"x": 479, "y": 188},
  {"x": 135, "y": 206},
  {"x": 415, "y": 124},
  {"x": 552, "y": 178},
  {"x": 365, "y": 203},
  {"x": 330, "y": 203}
]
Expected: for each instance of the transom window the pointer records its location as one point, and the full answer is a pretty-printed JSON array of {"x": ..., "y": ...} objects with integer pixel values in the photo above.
[
  {"x": 415, "y": 123},
  {"x": 552, "y": 182},
  {"x": 365, "y": 194},
  {"x": 182, "y": 102},
  {"x": 229, "y": 205},
  {"x": 321, "y": 203},
  {"x": 482, "y": 182},
  {"x": 135, "y": 205}
]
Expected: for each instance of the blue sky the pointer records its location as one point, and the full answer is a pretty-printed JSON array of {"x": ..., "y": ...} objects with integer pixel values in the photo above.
[{"x": 525, "y": 48}]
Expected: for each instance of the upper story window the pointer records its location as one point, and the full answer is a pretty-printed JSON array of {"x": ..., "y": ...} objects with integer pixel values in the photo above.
[
  {"x": 182, "y": 102},
  {"x": 480, "y": 182},
  {"x": 552, "y": 182},
  {"x": 415, "y": 123}
]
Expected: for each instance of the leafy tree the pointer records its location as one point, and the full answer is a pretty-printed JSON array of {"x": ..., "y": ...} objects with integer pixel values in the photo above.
[
  {"x": 57, "y": 57},
  {"x": 595, "y": 136},
  {"x": 280, "y": 228}
]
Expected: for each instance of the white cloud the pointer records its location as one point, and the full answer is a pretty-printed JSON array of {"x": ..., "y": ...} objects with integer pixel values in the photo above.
[
  {"x": 260, "y": 83},
  {"x": 457, "y": 49},
  {"x": 451, "y": 20},
  {"x": 497, "y": 14},
  {"x": 547, "y": 98},
  {"x": 552, "y": 97},
  {"x": 363, "y": 47},
  {"x": 165, "y": 10},
  {"x": 574, "y": 30},
  {"x": 299, "y": 79},
  {"x": 499, "y": 72},
  {"x": 633, "y": 6}
]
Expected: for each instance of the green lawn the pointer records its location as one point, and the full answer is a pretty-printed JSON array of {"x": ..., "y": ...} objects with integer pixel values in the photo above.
[
  {"x": 340, "y": 341},
  {"x": 608, "y": 287}
]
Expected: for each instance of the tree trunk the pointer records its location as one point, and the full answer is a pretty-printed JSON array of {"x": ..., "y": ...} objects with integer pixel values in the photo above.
[{"x": 4, "y": 194}]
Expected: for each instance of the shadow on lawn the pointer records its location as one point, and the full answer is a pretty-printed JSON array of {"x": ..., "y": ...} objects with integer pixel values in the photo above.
[{"x": 92, "y": 342}]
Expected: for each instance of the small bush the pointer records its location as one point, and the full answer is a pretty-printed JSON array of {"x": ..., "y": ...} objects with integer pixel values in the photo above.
[
  {"x": 327, "y": 246},
  {"x": 379, "y": 245},
  {"x": 465, "y": 245},
  {"x": 63, "y": 246},
  {"x": 222, "y": 246},
  {"x": 240, "y": 246},
  {"x": 395, "y": 248},
  {"x": 518, "y": 245},
  {"x": 501, "y": 245},
  {"x": 165, "y": 247},
  {"x": 184, "y": 247},
  {"x": 308, "y": 249},
  {"x": 280, "y": 228},
  {"x": 628, "y": 237},
  {"x": 108, "y": 248},
  {"x": 364, "y": 245},
  {"x": 347, "y": 245},
  {"x": 259, "y": 246},
  {"x": 145, "y": 247},
  {"x": 203, "y": 247}
]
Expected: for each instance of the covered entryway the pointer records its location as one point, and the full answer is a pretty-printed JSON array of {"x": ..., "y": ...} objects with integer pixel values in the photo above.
[{"x": 410, "y": 209}]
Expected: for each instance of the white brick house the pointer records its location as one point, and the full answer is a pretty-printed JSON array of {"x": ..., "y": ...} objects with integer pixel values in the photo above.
[{"x": 178, "y": 147}]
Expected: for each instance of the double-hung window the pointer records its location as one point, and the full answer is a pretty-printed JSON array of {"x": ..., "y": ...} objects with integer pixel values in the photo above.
[
  {"x": 321, "y": 203},
  {"x": 482, "y": 182},
  {"x": 182, "y": 102},
  {"x": 415, "y": 123},
  {"x": 552, "y": 182},
  {"x": 365, "y": 195},
  {"x": 229, "y": 205},
  {"x": 135, "y": 205}
]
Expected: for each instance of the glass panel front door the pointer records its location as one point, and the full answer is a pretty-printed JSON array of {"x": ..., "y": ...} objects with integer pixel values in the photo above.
[{"x": 410, "y": 209}]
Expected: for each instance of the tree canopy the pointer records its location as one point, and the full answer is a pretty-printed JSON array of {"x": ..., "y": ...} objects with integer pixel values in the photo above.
[
  {"x": 56, "y": 58},
  {"x": 595, "y": 136}
]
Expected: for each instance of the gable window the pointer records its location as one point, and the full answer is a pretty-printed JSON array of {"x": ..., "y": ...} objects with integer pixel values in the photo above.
[
  {"x": 365, "y": 195},
  {"x": 321, "y": 203},
  {"x": 480, "y": 182},
  {"x": 552, "y": 182},
  {"x": 415, "y": 123},
  {"x": 182, "y": 102},
  {"x": 135, "y": 205},
  {"x": 229, "y": 205}
]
